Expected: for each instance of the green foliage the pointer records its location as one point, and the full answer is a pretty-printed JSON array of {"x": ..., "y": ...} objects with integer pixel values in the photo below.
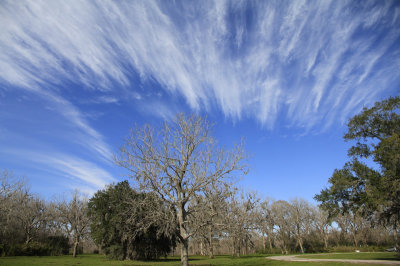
[
  {"x": 359, "y": 188},
  {"x": 51, "y": 246},
  {"x": 117, "y": 215},
  {"x": 59, "y": 245},
  {"x": 351, "y": 190}
]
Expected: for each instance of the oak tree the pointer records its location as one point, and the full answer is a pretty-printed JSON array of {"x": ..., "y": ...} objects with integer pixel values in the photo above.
[{"x": 360, "y": 188}]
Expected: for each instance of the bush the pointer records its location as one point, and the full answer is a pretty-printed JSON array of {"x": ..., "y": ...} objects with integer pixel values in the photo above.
[
  {"x": 13, "y": 250},
  {"x": 269, "y": 251},
  {"x": 59, "y": 245},
  {"x": 52, "y": 246},
  {"x": 115, "y": 252},
  {"x": 36, "y": 249}
]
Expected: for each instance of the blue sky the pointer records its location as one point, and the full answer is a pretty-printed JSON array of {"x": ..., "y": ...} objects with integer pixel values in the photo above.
[{"x": 285, "y": 75}]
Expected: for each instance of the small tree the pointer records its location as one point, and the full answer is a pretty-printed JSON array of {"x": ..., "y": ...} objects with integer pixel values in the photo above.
[
  {"x": 117, "y": 224},
  {"x": 178, "y": 161}
]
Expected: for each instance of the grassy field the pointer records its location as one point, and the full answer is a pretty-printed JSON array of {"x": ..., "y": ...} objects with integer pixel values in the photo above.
[
  {"x": 356, "y": 256},
  {"x": 194, "y": 260}
]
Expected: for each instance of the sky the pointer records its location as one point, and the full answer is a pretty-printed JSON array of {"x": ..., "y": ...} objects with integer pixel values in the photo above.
[{"x": 286, "y": 76}]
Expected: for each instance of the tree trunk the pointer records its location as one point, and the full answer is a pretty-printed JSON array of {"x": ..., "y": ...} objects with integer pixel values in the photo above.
[
  {"x": 238, "y": 248},
  {"x": 396, "y": 239},
  {"x": 183, "y": 235},
  {"x": 76, "y": 243},
  {"x": 326, "y": 241},
  {"x": 284, "y": 249},
  {"x": 264, "y": 242},
  {"x": 233, "y": 247},
  {"x": 355, "y": 240},
  {"x": 185, "y": 252},
  {"x": 246, "y": 250},
  {"x": 270, "y": 242},
  {"x": 28, "y": 239},
  {"x": 301, "y": 246},
  {"x": 201, "y": 248},
  {"x": 211, "y": 249}
]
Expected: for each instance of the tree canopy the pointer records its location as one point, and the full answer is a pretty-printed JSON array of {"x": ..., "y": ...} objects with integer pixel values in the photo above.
[{"x": 359, "y": 187}]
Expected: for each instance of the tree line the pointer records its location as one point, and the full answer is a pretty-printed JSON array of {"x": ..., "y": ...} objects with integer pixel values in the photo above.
[
  {"x": 31, "y": 226},
  {"x": 185, "y": 195},
  {"x": 122, "y": 224}
]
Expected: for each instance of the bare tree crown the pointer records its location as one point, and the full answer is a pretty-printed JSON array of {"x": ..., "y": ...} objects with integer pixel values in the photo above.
[{"x": 178, "y": 160}]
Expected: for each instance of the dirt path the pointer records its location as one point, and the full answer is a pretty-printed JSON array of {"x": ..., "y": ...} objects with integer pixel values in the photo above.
[{"x": 299, "y": 259}]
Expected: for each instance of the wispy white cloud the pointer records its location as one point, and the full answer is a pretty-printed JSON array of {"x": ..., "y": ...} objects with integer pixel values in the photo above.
[
  {"x": 308, "y": 64},
  {"x": 87, "y": 137},
  {"x": 85, "y": 171},
  {"x": 71, "y": 171}
]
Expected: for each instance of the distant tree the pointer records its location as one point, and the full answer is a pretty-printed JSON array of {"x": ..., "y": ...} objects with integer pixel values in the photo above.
[
  {"x": 266, "y": 223},
  {"x": 11, "y": 189},
  {"x": 120, "y": 223},
  {"x": 211, "y": 212},
  {"x": 178, "y": 161},
  {"x": 301, "y": 219},
  {"x": 282, "y": 215},
  {"x": 322, "y": 224},
  {"x": 26, "y": 221},
  {"x": 241, "y": 221},
  {"x": 358, "y": 188},
  {"x": 31, "y": 214},
  {"x": 73, "y": 217}
]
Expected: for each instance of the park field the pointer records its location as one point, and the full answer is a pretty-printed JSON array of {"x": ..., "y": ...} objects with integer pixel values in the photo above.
[{"x": 259, "y": 259}]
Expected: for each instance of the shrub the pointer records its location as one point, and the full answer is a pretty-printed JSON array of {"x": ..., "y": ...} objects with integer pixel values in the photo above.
[
  {"x": 52, "y": 246},
  {"x": 36, "y": 249},
  {"x": 59, "y": 245}
]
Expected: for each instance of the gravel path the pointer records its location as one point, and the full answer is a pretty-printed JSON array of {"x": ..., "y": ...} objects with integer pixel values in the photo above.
[{"x": 296, "y": 258}]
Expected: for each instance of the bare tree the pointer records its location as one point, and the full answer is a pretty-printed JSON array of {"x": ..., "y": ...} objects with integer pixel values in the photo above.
[
  {"x": 301, "y": 220},
  {"x": 266, "y": 223},
  {"x": 31, "y": 213},
  {"x": 11, "y": 190},
  {"x": 241, "y": 221},
  {"x": 73, "y": 217},
  {"x": 282, "y": 216},
  {"x": 322, "y": 224},
  {"x": 178, "y": 161},
  {"x": 212, "y": 212}
]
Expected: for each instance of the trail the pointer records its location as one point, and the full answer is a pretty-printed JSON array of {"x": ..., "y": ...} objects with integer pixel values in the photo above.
[{"x": 300, "y": 259}]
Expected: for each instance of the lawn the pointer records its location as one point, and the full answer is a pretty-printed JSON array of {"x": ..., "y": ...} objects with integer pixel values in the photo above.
[{"x": 194, "y": 260}]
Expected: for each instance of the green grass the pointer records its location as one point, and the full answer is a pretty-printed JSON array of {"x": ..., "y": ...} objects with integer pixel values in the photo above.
[
  {"x": 356, "y": 256},
  {"x": 170, "y": 261}
]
